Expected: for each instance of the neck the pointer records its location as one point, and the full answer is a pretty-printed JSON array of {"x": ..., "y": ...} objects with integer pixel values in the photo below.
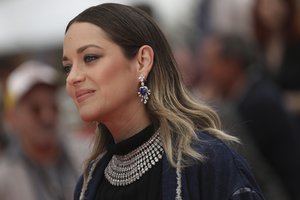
[
  {"x": 126, "y": 125},
  {"x": 276, "y": 37}
]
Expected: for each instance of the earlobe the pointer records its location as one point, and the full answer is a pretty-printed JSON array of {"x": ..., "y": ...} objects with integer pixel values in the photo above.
[{"x": 145, "y": 59}]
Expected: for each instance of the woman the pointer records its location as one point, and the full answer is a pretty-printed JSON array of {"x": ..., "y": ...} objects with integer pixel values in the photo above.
[
  {"x": 157, "y": 144},
  {"x": 276, "y": 27}
]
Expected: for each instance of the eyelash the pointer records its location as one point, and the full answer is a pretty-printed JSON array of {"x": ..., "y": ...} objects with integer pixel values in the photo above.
[
  {"x": 90, "y": 58},
  {"x": 87, "y": 59},
  {"x": 67, "y": 69}
]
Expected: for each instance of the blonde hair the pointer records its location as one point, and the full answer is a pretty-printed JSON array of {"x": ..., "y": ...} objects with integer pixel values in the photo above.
[{"x": 170, "y": 106}]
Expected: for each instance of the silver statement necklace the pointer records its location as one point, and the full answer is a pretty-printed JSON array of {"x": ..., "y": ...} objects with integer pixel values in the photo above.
[{"x": 123, "y": 170}]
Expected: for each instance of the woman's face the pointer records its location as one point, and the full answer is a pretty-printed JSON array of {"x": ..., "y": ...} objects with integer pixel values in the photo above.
[
  {"x": 102, "y": 82},
  {"x": 272, "y": 13}
]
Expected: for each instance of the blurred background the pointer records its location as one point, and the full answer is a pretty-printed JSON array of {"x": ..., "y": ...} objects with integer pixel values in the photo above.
[{"x": 242, "y": 57}]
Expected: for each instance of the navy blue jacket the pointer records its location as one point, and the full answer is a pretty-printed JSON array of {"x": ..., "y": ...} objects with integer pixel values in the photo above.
[{"x": 224, "y": 175}]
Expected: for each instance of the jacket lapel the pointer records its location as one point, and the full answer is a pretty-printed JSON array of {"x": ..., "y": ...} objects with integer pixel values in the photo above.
[
  {"x": 169, "y": 183},
  {"x": 97, "y": 177}
]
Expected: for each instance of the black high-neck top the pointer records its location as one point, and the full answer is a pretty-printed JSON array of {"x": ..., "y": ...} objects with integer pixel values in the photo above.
[{"x": 148, "y": 187}]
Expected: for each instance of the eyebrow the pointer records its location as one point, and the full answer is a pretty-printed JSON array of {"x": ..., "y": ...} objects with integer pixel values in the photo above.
[{"x": 81, "y": 49}]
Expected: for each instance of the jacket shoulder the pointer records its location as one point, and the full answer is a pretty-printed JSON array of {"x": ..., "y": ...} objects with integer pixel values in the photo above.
[
  {"x": 217, "y": 151},
  {"x": 223, "y": 170}
]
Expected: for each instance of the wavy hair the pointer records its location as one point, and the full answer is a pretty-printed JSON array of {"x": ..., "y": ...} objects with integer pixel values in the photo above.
[{"x": 170, "y": 106}]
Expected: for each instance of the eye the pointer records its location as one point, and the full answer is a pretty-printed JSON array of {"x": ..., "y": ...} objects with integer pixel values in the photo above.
[
  {"x": 90, "y": 58},
  {"x": 67, "y": 69},
  {"x": 35, "y": 109}
]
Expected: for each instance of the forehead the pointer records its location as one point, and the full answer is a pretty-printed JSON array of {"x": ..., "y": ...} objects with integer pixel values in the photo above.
[
  {"x": 39, "y": 93},
  {"x": 83, "y": 32}
]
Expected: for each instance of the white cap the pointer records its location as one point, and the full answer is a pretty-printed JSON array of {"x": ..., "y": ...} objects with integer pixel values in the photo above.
[{"x": 27, "y": 75}]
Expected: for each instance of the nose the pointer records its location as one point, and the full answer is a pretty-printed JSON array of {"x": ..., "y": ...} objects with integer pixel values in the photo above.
[
  {"x": 75, "y": 76},
  {"x": 48, "y": 116}
]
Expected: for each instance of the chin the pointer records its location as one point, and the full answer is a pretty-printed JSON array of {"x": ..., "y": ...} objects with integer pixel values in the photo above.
[
  {"x": 89, "y": 117},
  {"x": 89, "y": 112}
]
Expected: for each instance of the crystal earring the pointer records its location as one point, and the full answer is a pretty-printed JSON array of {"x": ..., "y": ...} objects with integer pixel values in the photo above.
[{"x": 143, "y": 92}]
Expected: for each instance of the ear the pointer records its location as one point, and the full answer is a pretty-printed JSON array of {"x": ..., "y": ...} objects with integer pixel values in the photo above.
[{"x": 145, "y": 58}]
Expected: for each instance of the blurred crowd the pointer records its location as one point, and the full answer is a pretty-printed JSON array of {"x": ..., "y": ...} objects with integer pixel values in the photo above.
[
  {"x": 246, "y": 63},
  {"x": 240, "y": 56}
]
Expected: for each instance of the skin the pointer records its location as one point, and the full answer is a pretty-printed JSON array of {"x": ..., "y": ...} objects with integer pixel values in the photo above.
[
  {"x": 273, "y": 14},
  {"x": 102, "y": 82},
  {"x": 222, "y": 75},
  {"x": 35, "y": 118}
]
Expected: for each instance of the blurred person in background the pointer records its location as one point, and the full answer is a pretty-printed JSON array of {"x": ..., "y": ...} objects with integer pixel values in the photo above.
[
  {"x": 231, "y": 76},
  {"x": 36, "y": 164},
  {"x": 7, "y": 64},
  {"x": 184, "y": 59},
  {"x": 276, "y": 26},
  {"x": 3, "y": 136}
]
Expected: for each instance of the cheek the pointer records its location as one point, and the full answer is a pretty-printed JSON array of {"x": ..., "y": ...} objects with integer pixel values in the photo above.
[
  {"x": 25, "y": 122},
  {"x": 217, "y": 75},
  {"x": 117, "y": 78},
  {"x": 120, "y": 87},
  {"x": 214, "y": 72}
]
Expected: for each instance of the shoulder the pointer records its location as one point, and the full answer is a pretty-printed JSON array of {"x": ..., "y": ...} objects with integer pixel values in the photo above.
[
  {"x": 219, "y": 154},
  {"x": 222, "y": 166},
  {"x": 211, "y": 146},
  {"x": 12, "y": 168},
  {"x": 9, "y": 165},
  {"x": 15, "y": 181},
  {"x": 261, "y": 91}
]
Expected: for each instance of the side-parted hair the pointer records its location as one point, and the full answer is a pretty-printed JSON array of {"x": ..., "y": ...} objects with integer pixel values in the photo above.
[{"x": 170, "y": 105}]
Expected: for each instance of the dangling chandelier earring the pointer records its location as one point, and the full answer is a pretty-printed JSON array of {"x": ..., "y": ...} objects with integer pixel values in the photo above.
[{"x": 143, "y": 92}]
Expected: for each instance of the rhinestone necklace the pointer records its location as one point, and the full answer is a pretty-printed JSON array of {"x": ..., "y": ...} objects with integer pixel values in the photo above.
[{"x": 125, "y": 169}]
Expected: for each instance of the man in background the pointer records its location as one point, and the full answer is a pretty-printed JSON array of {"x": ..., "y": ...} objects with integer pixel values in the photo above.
[
  {"x": 36, "y": 165},
  {"x": 232, "y": 73}
]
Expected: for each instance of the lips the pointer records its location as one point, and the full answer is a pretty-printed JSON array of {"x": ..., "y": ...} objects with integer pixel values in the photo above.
[{"x": 82, "y": 95}]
